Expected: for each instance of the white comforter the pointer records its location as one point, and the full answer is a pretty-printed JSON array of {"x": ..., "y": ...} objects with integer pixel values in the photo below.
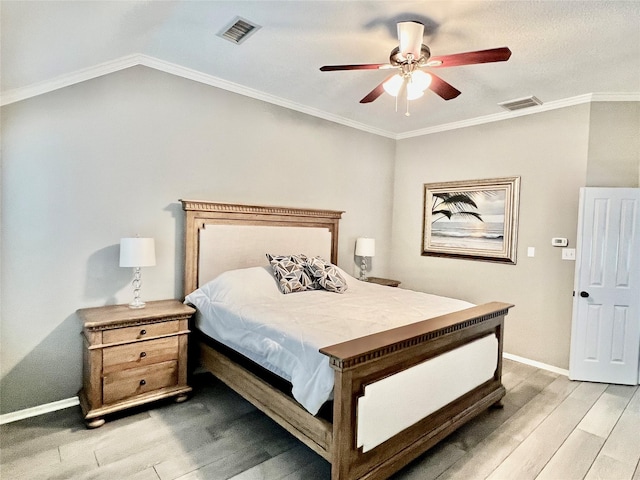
[{"x": 245, "y": 310}]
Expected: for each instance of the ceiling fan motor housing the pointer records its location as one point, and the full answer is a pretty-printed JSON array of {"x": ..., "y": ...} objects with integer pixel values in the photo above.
[{"x": 397, "y": 58}]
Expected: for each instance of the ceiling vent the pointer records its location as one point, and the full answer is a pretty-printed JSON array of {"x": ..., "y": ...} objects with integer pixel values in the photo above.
[
  {"x": 239, "y": 30},
  {"x": 520, "y": 103}
]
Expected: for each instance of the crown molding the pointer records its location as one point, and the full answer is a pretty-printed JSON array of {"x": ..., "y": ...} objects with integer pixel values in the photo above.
[
  {"x": 553, "y": 105},
  {"x": 24, "y": 93},
  {"x": 207, "y": 79},
  {"x": 615, "y": 97},
  {"x": 79, "y": 76}
]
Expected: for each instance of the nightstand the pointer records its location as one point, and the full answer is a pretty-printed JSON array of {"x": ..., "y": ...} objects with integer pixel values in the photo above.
[
  {"x": 133, "y": 356},
  {"x": 384, "y": 281}
]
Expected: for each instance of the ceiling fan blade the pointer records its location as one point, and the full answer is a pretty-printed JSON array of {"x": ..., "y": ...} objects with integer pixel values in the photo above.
[
  {"x": 442, "y": 88},
  {"x": 376, "y": 92},
  {"x": 410, "y": 36},
  {"x": 501, "y": 54},
  {"x": 365, "y": 66}
]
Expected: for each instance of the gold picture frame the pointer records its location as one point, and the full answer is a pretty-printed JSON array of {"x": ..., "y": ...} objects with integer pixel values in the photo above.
[{"x": 474, "y": 219}]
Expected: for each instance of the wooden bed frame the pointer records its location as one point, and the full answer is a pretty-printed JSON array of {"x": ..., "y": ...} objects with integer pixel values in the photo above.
[{"x": 356, "y": 363}]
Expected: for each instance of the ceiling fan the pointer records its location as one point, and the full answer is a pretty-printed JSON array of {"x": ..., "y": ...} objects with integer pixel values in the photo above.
[{"x": 410, "y": 57}]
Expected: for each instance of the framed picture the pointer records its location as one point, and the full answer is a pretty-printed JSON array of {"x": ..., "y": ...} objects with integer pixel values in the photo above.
[{"x": 475, "y": 219}]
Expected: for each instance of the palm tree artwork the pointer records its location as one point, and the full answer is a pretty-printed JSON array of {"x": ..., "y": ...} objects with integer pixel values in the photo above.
[
  {"x": 472, "y": 219},
  {"x": 446, "y": 205}
]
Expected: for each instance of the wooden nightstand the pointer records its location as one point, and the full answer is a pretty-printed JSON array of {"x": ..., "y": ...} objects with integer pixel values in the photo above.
[
  {"x": 384, "y": 281},
  {"x": 133, "y": 356}
]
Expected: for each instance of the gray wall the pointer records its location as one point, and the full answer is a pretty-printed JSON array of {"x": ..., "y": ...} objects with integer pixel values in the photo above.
[
  {"x": 552, "y": 152},
  {"x": 614, "y": 145},
  {"x": 109, "y": 158},
  {"x": 88, "y": 164}
]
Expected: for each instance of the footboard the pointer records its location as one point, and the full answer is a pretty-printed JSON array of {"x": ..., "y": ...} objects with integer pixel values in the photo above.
[{"x": 399, "y": 392}]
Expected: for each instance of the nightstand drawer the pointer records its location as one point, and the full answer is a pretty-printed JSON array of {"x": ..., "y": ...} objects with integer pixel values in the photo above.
[
  {"x": 132, "y": 334},
  {"x": 139, "y": 354},
  {"x": 136, "y": 381}
]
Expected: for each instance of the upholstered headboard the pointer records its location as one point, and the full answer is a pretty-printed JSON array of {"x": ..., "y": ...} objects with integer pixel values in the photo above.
[{"x": 222, "y": 236}]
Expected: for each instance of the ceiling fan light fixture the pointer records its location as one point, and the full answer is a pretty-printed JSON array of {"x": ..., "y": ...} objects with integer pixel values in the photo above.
[
  {"x": 420, "y": 80},
  {"x": 413, "y": 93},
  {"x": 417, "y": 82},
  {"x": 393, "y": 85}
]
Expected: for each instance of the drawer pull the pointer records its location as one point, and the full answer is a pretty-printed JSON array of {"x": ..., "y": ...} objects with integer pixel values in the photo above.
[
  {"x": 143, "y": 332},
  {"x": 143, "y": 382},
  {"x": 143, "y": 354}
]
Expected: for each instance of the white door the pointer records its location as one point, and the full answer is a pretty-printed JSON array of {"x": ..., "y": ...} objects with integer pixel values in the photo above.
[{"x": 605, "y": 334}]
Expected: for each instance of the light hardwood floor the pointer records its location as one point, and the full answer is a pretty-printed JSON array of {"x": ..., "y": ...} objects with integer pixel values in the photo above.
[{"x": 550, "y": 428}]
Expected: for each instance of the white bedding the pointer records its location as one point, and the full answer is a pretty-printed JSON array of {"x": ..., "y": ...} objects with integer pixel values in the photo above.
[{"x": 245, "y": 310}]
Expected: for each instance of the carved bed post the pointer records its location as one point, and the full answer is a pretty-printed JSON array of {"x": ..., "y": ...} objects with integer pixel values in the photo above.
[
  {"x": 190, "y": 254},
  {"x": 343, "y": 422}
]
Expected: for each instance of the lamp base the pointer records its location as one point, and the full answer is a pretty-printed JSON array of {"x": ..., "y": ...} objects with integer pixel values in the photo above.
[
  {"x": 137, "y": 304},
  {"x": 137, "y": 283},
  {"x": 363, "y": 269}
]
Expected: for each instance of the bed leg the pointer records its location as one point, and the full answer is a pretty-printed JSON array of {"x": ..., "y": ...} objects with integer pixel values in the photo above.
[{"x": 498, "y": 405}]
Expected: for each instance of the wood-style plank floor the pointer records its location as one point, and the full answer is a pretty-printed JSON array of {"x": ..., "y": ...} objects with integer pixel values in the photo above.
[{"x": 550, "y": 428}]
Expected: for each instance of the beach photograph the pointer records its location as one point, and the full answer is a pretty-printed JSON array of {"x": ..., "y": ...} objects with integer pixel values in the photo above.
[
  {"x": 484, "y": 229},
  {"x": 474, "y": 219}
]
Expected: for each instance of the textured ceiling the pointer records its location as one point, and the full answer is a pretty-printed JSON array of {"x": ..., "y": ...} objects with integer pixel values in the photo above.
[{"x": 561, "y": 50}]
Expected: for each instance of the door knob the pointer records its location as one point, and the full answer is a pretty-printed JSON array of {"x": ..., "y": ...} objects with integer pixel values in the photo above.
[{"x": 584, "y": 294}]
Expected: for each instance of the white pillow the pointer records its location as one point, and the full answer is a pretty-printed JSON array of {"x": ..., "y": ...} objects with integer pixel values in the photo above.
[{"x": 245, "y": 285}]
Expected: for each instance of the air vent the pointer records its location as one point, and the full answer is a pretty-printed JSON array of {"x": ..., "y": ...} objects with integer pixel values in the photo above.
[
  {"x": 520, "y": 103},
  {"x": 239, "y": 30}
]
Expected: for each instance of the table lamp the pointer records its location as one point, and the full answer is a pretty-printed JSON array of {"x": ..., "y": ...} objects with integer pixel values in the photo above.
[
  {"x": 137, "y": 252},
  {"x": 365, "y": 247}
]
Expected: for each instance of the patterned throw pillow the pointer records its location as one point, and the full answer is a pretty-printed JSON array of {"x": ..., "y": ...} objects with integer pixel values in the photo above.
[
  {"x": 290, "y": 272},
  {"x": 327, "y": 275}
]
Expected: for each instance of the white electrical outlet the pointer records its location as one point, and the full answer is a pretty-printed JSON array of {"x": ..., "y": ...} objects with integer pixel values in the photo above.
[
  {"x": 568, "y": 254},
  {"x": 531, "y": 251}
]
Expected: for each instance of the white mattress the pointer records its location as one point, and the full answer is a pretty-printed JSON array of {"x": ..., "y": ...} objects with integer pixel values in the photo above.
[{"x": 245, "y": 310}]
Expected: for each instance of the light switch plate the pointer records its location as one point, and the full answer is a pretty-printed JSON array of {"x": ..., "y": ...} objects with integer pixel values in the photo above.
[{"x": 568, "y": 254}]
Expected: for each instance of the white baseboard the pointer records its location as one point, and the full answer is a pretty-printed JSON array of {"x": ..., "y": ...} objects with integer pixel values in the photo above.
[
  {"x": 533, "y": 363},
  {"x": 39, "y": 410},
  {"x": 73, "y": 401}
]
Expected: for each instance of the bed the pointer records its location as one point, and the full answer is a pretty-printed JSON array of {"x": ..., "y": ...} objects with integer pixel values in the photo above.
[{"x": 388, "y": 370}]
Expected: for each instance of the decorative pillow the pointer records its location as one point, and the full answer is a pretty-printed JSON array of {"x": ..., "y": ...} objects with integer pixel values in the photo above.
[
  {"x": 327, "y": 275},
  {"x": 290, "y": 272}
]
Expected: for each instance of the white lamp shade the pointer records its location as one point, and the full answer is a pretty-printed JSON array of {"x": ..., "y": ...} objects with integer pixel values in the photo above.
[
  {"x": 413, "y": 94},
  {"x": 420, "y": 80},
  {"x": 365, "y": 247},
  {"x": 137, "y": 252},
  {"x": 393, "y": 85}
]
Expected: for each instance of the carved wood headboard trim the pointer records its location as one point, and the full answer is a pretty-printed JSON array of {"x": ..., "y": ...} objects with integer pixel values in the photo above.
[{"x": 200, "y": 213}]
